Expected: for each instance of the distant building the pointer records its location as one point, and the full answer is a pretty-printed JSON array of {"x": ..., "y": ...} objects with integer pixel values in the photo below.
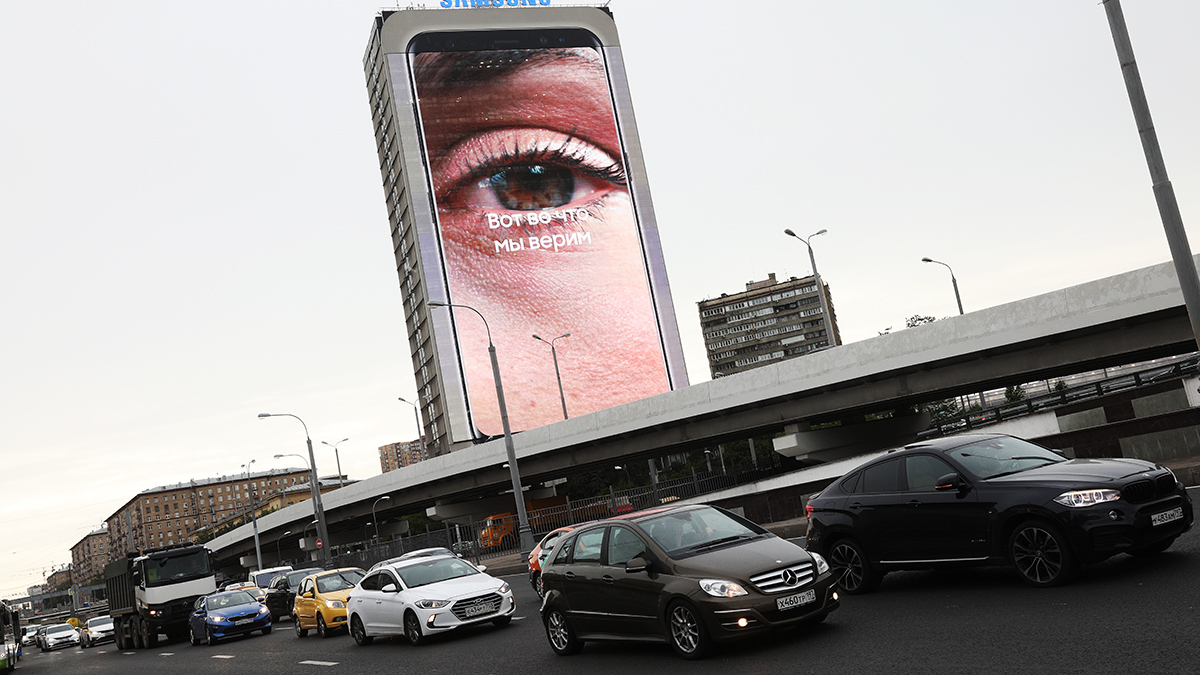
[
  {"x": 300, "y": 492},
  {"x": 768, "y": 322},
  {"x": 90, "y": 555},
  {"x": 58, "y": 578},
  {"x": 396, "y": 455}
]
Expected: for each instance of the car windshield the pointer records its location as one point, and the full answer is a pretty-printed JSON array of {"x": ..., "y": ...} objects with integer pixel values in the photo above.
[
  {"x": 54, "y": 630},
  {"x": 433, "y": 571},
  {"x": 1001, "y": 456},
  {"x": 340, "y": 581},
  {"x": 175, "y": 568},
  {"x": 694, "y": 531},
  {"x": 293, "y": 578},
  {"x": 262, "y": 579},
  {"x": 98, "y": 622},
  {"x": 229, "y": 600}
]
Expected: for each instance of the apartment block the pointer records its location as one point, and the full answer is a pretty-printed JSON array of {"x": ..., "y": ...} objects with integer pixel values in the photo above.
[
  {"x": 89, "y": 556},
  {"x": 396, "y": 455}
]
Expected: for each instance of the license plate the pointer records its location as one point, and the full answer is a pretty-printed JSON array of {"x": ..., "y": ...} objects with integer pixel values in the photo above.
[
  {"x": 243, "y": 622},
  {"x": 793, "y": 601},
  {"x": 476, "y": 610},
  {"x": 1166, "y": 516}
]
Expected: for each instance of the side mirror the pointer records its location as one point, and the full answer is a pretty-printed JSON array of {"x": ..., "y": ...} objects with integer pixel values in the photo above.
[
  {"x": 951, "y": 481},
  {"x": 390, "y": 588},
  {"x": 637, "y": 564},
  {"x": 307, "y": 594},
  {"x": 482, "y": 568}
]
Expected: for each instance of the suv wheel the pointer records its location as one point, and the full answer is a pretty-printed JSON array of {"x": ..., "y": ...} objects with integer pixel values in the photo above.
[
  {"x": 688, "y": 635},
  {"x": 1041, "y": 554},
  {"x": 853, "y": 572},
  {"x": 562, "y": 637}
]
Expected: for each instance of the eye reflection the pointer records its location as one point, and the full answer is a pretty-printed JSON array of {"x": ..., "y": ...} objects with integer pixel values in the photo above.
[{"x": 531, "y": 187}]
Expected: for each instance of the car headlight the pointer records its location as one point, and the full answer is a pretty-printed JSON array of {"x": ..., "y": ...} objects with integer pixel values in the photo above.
[
  {"x": 822, "y": 566},
  {"x": 216, "y": 617},
  {"x": 503, "y": 588},
  {"x": 432, "y": 604},
  {"x": 1080, "y": 498},
  {"x": 335, "y": 604},
  {"x": 263, "y": 610},
  {"x": 720, "y": 588}
]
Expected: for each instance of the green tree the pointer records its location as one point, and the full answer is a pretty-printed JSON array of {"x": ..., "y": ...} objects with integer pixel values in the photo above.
[{"x": 1014, "y": 393}]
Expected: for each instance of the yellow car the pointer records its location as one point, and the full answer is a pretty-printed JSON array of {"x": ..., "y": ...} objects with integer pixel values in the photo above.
[{"x": 321, "y": 600}]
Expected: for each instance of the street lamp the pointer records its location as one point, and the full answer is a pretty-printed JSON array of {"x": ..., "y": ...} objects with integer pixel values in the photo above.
[
  {"x": 820, "y": 286},
  {"x": 318, "y": 510},
  {"x": 253, "y": 517},
  {"x": 621, "y": 468},
  {"x": 278, "y": 543},
  {"x": 514, "y": 474},
  {"x": 341, "y": 484},
  {"x": 420, "y": 430},
  {"x": 554, "y": 354},
  {"x": 957, "y": 297},
  {"x": 373, "y": 518}
]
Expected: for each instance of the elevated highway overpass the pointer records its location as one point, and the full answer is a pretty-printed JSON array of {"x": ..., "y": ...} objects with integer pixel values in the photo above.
[{"x": 1134, "y": 316}]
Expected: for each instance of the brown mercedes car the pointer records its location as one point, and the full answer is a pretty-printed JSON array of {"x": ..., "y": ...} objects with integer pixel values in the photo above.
[{"x": 687, "y": 575}]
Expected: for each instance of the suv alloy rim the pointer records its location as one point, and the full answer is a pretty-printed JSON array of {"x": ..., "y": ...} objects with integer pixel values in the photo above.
[
  {"x": 684, "y": 630},
  {"x": 557, "y": 625},
  {"x": 1037, "y": 555},
  {"x": 846, "y": 561}
]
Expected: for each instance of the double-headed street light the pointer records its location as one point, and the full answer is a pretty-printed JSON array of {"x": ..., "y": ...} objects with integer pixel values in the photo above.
[
  {"x": 812, "y": 259},
  {"x": 253, "y": 517},
  {"x": 278, "y": 543},
  {"x": 554, "y": 354},
  {"x": 514, "y": 474},
  {"x": 318, "y": 509},
  {"x": 373, "y": 518},
  {"x": 341, "y": 483},
  {"x": 957, "y": 297}
]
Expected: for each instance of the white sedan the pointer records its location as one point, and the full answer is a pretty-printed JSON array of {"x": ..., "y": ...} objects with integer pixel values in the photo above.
[{"x": 420, "y": 597}]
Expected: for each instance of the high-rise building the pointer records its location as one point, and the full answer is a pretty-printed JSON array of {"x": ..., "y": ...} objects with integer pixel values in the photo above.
[
  {"x": 395, "y": 455},
  {"x": 769, "y": 321},
  {"x": 90, "y": 555}
]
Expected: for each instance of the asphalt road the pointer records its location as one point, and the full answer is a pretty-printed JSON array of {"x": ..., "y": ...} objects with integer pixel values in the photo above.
[{"x": 1124, "y": 616}]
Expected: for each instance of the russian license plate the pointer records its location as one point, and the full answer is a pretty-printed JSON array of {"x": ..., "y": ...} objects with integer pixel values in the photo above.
[
  {"x": 476, "y": 610},
  {"x": 793, "y": 601},
  {"x": 1167, "y": 516},
  {"x": 243, "y": 622}
]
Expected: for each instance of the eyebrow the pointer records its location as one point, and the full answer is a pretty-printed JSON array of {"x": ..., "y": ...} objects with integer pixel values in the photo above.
[{"x": 449, "y": 71}]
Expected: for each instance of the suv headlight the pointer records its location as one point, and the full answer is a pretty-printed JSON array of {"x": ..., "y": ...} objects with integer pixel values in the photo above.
[
  {"x": 431, "y": 604},
  {"x": 822, "y": 566},
  {"x": 1081, "y": 498},
  {"x": 720, "y": 588}
]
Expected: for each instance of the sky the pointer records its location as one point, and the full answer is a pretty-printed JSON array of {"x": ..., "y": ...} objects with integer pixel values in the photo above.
[{"x": 194, "y": 231}]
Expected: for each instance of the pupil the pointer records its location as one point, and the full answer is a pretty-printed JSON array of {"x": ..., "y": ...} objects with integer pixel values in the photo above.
[{"x": 533, "y": 187}]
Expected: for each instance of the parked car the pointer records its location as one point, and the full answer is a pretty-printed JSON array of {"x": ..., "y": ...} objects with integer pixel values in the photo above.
[
  {"x": 59, "y": 635},
  {"x": 420, "y": 597},
  {"x": 992, "y": 499},
  {"x": 281, "y": 592},
  {"x": 97, "y": 630},
  {"x": 538, "y": 555},
  {"x": 686, "y": 575},
  {"x": 225, "y": 614},
  {"x": 262, "y": 578},
  {"x": 320, "y": 602},
  {"x": 419, "y": 553}
]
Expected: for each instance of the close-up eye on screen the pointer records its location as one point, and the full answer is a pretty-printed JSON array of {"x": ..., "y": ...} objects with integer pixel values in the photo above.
[{"x": 536, "y": 224}]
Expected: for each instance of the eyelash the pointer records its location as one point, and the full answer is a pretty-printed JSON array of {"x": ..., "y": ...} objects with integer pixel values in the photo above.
[{"x": 613, "y": 173}]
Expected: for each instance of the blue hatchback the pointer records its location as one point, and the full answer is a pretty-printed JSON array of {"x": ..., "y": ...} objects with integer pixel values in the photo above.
[{"x": 226, "y": 614}]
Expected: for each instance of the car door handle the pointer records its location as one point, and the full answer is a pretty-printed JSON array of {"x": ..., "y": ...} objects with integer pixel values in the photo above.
[
  {"x": 569, "y": 575},
  {"x": 608, "y": 579},
  {"x": 856, "y": 505},
  {"x": 915, "y": 502}
]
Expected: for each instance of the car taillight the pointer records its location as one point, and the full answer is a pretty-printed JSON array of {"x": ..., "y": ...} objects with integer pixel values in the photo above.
[{"x": 808, "y": 510}]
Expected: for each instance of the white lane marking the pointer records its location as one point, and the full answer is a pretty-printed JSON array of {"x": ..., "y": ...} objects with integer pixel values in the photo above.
[
  {"x": 222, "y": 656},
  {"x": 318, "y": 663},
  {"x": 167, "y": 654},
  {"x": 128, "y": 653},
  {"x": 518, "y": 618}
]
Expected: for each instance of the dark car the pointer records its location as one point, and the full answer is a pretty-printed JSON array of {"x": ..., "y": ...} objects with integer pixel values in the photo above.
[
  {"x": 225, "y": 614},
  {"x": 281, "y": 592},
  {"x": 992, "y": 499},
  {"x": 687, "y": 575}
]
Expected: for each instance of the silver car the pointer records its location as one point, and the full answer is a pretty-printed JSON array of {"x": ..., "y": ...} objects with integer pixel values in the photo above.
[
  {"x": 97, "y": 630},
  {"x": 60, "y": 635}
]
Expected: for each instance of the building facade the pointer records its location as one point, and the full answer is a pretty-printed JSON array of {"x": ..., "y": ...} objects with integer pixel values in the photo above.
[
  {"x": 58, "y": 578},
  {"x": 768, "y": 322},
  {"x": 169, "y": 514},
  {"x": 90, "y": 555},
  {"x": 395, "y": 455}
]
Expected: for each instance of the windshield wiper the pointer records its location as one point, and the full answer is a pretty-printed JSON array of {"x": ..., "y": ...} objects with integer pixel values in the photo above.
[{"x": 718, "y": 542}]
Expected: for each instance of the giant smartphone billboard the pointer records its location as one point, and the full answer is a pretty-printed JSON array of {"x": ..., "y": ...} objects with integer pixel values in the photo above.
[{"x": 540, "y": 223}]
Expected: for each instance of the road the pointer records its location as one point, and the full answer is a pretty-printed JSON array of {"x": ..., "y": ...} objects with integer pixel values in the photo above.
[{"x": 1123, "y": 616}]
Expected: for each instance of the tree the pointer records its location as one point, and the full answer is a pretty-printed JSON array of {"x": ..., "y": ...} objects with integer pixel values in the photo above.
[
  {"x": 1014, "y": 393},
  {"x": 918, "y": 320}
]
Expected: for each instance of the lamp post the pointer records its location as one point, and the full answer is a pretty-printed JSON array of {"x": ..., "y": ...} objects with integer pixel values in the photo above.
[
  {"x": 253, "y": 518},
  {"x": 318, "y": 510},
  {"x": 627, "y": 475},
  {"x": 420, "y": 430},
  {"x": 812, "y": 259},
  {"x": 341, "y": 483},
  {"x": 557, "y": 375},
  {"x": 278, "y": 543},
  {"x": 373, "y": 518},
  {"x": 514, "y": 474},
  {"x": 957, "y": 297}
]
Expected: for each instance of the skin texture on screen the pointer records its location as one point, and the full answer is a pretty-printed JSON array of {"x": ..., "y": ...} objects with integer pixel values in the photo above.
[{"x": 538, "y": 231}]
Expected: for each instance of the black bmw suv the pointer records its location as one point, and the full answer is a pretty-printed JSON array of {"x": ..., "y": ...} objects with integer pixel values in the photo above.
[{"x": 992, "y": 499}]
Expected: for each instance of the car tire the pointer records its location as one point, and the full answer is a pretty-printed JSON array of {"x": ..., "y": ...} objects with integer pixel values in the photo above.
[
  {"x": 359, "y": 633},
  {"x": 1041, "y": 555},
  {"x": 412, "y": 630},
  {"x": 686, "y": 632},
  {"x": 266, "y": 630},
  {"x": 539, "y": 586},
  {"x": 192, "y": 637},
  {"x": 1153, "y": 549},
  {"x": 560, "y": 634},
  {"x": 209, "y": 638},
  {"x": 322, "y": 629},
  {"x": 300, "y": 632},
  {"x": 852, "y": 571},
  {"x": 502, "y": 621}
]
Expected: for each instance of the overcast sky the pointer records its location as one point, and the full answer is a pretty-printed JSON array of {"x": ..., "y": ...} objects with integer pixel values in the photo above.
[{"x": 194, "y": 229}]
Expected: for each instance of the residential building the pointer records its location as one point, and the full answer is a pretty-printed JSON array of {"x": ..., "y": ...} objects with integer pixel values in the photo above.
[
  {"x": 58, "y": 578},
  {"x": 396, "y": 455},
  {"x": 770, "y": 321},
  {"x": 300, "y": 492},
  {"x": 90, "y": 555}
]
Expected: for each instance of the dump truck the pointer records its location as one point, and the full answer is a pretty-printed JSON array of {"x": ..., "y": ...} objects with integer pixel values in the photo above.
[{"x": 155, "y": 592}]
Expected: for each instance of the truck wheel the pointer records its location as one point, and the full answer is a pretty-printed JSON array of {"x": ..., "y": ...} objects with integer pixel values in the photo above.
[
  {"x": 135, "y": 629},
  {"x": 149, "y": 635}
]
